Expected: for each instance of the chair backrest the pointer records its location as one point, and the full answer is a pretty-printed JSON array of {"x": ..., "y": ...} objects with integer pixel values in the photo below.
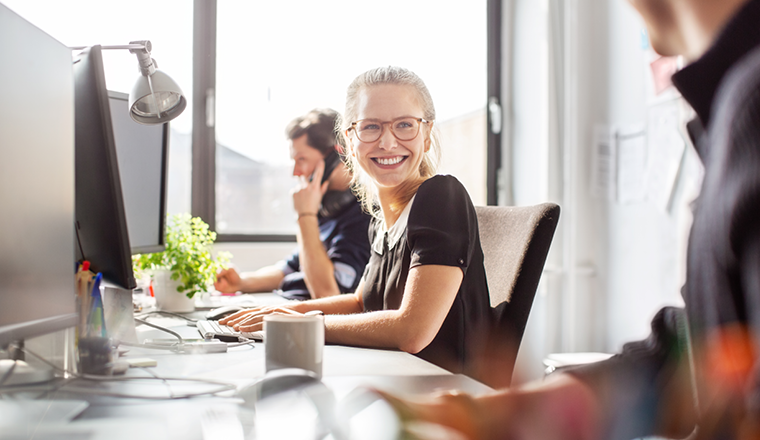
[{"x": 515, "y": 242}]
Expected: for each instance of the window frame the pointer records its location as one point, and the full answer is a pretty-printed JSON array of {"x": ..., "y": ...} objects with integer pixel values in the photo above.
[{"x": 203, "y": 190}]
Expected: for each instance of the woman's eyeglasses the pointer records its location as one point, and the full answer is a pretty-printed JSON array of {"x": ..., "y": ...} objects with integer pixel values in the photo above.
[{"x": 404, "y": 129}]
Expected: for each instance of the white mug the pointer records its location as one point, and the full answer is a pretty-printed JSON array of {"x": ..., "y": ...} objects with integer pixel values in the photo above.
[{"x": 294, "y": 341}]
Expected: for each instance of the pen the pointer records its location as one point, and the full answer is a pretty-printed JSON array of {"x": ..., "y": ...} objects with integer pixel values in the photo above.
[
  {"x": 95, "y": 320},
  {"x": 96, "y": 284},
  {"x": 82, "y": 279}
]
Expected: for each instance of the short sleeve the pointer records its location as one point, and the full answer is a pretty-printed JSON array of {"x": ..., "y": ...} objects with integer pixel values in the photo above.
[
  {"x": 442, "y": 227},
  {"x": 290, "y": 264}
]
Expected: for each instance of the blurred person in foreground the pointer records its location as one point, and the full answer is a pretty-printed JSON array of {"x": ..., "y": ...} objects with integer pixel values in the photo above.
[
  {"x": 698, "y": 371},
  {"x": 333, "y": 247}
]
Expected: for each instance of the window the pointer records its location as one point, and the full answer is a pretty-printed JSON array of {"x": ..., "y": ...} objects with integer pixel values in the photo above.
[{"x": 277, "y": 60}]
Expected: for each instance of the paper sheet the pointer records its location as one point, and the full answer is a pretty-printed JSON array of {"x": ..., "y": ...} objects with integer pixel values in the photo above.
[
  {"x": 665, "y": 151},
  {"x": 631, "y": 151},
  {"x": 603, "y": 166}
]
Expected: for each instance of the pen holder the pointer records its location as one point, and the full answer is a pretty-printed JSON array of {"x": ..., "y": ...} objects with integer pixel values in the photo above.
[
  {"x": 95, "y": 355},
  {"x": 95, "y": 351}
]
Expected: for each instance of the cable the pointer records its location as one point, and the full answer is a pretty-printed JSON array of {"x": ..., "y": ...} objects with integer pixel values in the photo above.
[
  {"x": 163, "y": 329},
  {"x": 221, "y": 386},
  {"x": 161, "y": 312},
  {"x": 172, "y": 347},
  {"x": 240, "y": 344}
]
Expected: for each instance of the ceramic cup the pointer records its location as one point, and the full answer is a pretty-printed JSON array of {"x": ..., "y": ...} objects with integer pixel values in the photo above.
[{"x": 294, "y": 341}]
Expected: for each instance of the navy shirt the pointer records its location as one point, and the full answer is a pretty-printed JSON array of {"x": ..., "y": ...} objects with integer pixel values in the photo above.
[{"x": 344, "y": 235}]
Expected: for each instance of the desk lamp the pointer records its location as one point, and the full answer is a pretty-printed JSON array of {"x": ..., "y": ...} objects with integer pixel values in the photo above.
[{"x": 155, "y": 98}]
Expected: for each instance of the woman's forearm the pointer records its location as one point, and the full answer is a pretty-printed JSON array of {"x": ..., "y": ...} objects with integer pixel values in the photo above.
[
  {"x": 378, "y": 329},
  {"x": 428, "y": 295},
  {"x": 333, "y": 305}
]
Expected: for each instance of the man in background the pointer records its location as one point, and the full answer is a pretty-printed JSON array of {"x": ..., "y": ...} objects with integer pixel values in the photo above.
[
  {"x": 698, "y": 373},
  {"x": 333, "y": 247}
]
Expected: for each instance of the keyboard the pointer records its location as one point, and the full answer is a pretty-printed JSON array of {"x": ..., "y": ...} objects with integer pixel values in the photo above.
[{"x": 224, "y": 333}]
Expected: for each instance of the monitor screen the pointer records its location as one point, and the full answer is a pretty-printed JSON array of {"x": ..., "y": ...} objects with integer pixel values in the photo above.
[
  {"x": 142, "y": 151},
  {"x": 37, "y": 292},
  {"x": 101, "y": 224}
]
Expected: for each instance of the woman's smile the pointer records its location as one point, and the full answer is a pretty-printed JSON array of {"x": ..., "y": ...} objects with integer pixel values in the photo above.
[{"x": 388, "y": 162}]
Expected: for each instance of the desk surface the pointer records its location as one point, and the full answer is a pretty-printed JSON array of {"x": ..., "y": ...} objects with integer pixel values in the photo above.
[{"x": 345, "y": 370}]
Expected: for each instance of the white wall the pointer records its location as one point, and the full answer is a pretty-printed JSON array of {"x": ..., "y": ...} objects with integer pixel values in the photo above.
[
  {"x": 247, "y": 257},
  {"x": 646, "y": 243},
  {"x": 612, "y": 265}
]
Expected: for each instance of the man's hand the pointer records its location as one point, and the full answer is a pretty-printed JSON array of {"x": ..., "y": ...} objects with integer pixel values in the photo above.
[
  {"x": 560, "y": 408},
  {"x": 307, "y": 196},
  {"x": 228, "y": 281}
]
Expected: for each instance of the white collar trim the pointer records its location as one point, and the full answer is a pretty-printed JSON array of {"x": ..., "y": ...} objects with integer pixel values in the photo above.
[{"x": 395, "y": 232}]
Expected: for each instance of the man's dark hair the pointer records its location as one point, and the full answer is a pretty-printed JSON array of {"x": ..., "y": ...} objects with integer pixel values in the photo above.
[{"x": 319, "y": 126}]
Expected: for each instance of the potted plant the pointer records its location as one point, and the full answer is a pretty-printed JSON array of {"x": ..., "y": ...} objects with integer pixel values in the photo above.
[{"x": 185, "y": 267}]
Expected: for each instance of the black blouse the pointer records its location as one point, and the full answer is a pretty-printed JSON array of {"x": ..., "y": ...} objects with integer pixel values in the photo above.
[{"x": 438, "y": 226}]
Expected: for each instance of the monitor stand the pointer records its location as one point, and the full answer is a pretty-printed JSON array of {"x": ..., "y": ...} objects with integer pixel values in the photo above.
[
  {"x": 119, "y": 313},
  {"x": 20, "y": 373}
]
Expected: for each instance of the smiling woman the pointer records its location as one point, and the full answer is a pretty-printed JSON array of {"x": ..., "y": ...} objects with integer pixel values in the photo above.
[{"x": 424, "y": 289}]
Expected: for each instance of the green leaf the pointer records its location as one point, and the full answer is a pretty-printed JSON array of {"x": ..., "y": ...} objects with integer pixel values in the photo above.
[{"x": 187, "y": 254}]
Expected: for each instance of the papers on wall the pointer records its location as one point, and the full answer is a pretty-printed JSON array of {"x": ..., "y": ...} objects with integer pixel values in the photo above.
[
  {"x": 603, "y": 166},
  {"x": 636, "y": 163},
  {"x": 619, "y": 163},
  {"x": 666, "y": 148},
  {"x": 631, "y": 148}
]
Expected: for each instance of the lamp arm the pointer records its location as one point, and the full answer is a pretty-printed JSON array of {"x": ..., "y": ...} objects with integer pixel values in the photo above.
[
  {"x": 129, "y": 47},
  {"x": 141, "y": 48}
]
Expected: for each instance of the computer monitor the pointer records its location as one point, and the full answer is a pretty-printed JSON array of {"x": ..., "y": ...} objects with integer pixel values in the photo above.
[
  {"x": 101, "y": 223},
  {"x": 142, "y": 152},
  {"x": 37, "y": 291}
]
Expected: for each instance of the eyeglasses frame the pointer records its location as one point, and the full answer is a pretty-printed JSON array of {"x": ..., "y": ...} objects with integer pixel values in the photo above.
[{"x": 382, "y": 129}]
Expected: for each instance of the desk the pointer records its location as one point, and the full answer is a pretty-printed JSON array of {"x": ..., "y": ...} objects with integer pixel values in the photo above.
[{"x": 344, "y": 369}]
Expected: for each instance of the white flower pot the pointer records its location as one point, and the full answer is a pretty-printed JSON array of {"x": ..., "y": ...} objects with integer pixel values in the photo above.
[{"x": 167, "y": 297}]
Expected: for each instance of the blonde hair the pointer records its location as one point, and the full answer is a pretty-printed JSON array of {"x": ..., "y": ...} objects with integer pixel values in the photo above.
[{"x": 360, "y": 182}]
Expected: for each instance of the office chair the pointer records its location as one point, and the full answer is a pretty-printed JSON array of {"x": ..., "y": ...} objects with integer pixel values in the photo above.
[{"x": 515, "y": 242}]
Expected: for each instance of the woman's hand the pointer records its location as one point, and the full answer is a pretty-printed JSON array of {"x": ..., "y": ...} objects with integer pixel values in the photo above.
[{"x": 252, "y": 320}]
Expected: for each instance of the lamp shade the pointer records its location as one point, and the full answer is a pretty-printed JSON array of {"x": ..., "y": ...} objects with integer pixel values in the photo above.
[{"x": 156, "y": 99}]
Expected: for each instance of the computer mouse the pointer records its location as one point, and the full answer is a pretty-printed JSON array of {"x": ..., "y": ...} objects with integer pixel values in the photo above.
[
  {"x": 309, "y": 385},
  {"x": 276, "y": 381},
  {"x": 220, "y": 312}
]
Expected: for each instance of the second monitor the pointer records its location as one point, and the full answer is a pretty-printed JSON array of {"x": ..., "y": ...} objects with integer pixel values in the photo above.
[{"x": 142, "y": 152}]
